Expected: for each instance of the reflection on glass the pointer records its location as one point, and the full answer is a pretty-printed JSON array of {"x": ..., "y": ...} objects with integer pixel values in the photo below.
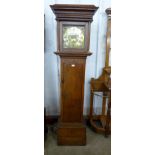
[{"x": 73, "y": 37}]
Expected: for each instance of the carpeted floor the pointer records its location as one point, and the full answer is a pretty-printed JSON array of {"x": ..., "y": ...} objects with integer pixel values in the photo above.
[{"x": 97, "y": 144}]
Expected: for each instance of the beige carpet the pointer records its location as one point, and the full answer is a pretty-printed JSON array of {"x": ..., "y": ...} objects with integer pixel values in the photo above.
[{"x": 97, "y": 144}]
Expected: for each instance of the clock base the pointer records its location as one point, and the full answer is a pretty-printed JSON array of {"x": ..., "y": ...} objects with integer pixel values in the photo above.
[{"x": 71, "y": 134}]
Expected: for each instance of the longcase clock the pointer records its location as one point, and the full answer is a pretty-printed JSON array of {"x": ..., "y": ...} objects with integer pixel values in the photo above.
[{"x": 73, "y": 37}]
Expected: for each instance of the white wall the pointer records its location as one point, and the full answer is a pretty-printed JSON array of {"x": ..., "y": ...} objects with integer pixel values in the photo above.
[{"x": 94, "y": 63}]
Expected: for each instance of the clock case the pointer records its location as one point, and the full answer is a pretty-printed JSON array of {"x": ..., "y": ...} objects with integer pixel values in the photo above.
[{"x": 71, "y": 128}]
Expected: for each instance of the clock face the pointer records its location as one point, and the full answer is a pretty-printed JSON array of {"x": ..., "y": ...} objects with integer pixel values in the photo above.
[{"x": 74, "y": 37}]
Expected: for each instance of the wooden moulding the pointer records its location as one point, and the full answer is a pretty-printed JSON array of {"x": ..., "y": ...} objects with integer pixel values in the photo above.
[
  {"x": 53, "y": 119},
  {"x": 75, "y": 54},
  {"x": 70, "y": 12}
]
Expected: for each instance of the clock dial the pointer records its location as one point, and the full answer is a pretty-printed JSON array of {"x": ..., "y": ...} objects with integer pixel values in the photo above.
[{"x": 73, "y": 37}]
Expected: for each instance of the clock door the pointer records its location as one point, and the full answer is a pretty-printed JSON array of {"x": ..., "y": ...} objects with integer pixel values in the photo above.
[{"x": 72, "y": 88}]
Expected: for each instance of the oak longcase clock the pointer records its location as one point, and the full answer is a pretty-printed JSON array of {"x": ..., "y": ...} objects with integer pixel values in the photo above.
[{"x": 73, "y": 37}]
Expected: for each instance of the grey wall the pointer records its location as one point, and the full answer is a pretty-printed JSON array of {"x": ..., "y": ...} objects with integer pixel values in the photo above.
[{"x": 94, "y": 63}]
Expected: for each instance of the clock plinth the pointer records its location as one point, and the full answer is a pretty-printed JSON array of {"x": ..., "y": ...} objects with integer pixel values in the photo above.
[
  {"x": 73, "y": 37},
  {"x": 71, "y": 134}
]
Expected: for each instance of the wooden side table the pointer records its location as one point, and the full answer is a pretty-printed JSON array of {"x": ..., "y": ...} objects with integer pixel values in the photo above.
[
  {"x": 103, "y": 84},
  {"x": 101, "y": 123}
]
